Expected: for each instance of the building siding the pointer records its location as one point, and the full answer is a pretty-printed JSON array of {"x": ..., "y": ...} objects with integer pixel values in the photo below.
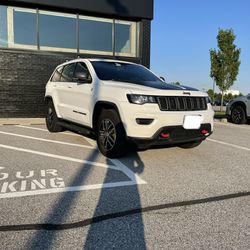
[{"x": 23, "y": 76}]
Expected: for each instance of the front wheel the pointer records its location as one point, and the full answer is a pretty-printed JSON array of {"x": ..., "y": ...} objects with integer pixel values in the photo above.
[
  {"x": 190, "y": 144},
  {"x": 238, "y": 115},
  {"x": 111, "y": 135}
]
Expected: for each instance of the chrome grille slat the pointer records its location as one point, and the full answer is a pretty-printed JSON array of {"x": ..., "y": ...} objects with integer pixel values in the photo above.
[{"x": 181, "y": 103}]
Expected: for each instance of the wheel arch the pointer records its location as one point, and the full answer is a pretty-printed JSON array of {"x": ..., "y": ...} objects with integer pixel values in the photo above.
[
  {"x": 99, "y": 106},
  {"x": 240, "y": 103},
  {"x": 50, "y": 98},
  {"x": 47, "y": 99}
]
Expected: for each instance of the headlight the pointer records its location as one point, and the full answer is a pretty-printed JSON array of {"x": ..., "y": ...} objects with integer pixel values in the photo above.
[{"x": 141, "y": 99}]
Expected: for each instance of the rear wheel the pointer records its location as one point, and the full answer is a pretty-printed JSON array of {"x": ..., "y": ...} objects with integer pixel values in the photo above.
[
  {"x": 111, "y": 135},
  {"x": 51, "y": 118},
  {"x": 190, "y": 144},
  {"x": 238, "y": 115}
]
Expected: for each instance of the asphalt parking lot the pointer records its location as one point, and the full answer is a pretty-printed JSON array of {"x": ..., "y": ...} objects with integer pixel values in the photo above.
[{"x": 58, "y": 192}]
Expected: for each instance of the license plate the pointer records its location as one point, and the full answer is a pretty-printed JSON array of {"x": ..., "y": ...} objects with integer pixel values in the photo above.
[{"x": 192, "y": 121}]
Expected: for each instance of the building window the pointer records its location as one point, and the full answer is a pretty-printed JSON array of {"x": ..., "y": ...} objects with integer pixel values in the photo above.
[
  {"x": 24, "y": 24},
  {"x": 22, "y": 31},
  {"x": 54, "y": 31},
  {"x": 125, "y": 38},
  {"x": 57, "y": 32},
  {"x": 95, "y": 35},
  {"x": 3, "y": 27}
]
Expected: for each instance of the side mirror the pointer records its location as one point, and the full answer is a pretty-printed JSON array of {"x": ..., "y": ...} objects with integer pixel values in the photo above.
[
  {"x": 82, "y": 77},
  {"x": 162, "y": 78}
]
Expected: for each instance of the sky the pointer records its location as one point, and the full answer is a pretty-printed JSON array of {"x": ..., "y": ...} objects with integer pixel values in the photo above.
[{"x": 183, "y": 31}]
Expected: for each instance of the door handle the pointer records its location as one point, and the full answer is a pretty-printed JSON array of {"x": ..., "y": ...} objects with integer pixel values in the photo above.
[{"x": 69, "y": 87}]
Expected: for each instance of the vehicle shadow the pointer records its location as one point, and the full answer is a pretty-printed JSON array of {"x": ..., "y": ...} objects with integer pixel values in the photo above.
[
  {"x": 126, "y": 232},
  {"x": 61, "y": 210}
]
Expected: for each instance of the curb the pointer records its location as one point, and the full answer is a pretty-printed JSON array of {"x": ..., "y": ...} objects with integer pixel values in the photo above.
[
  {"x": 224, "y": 120},
  {"x": 21, "y": 121}
]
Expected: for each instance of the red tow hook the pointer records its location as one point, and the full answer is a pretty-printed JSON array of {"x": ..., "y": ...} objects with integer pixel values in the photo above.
[
  {"x": 164, "y": 135},
  {"x": 204, "y": 131}
]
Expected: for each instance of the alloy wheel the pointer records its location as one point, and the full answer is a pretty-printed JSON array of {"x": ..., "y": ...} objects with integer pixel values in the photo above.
[
  {"x": 107, "y": 134},
  {"x": 237, "y": 115}
]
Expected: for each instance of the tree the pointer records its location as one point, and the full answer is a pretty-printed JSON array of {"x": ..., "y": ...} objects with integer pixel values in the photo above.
[
  {"x": 225, "y": 62},
  {"x": 210, "y": 93}
]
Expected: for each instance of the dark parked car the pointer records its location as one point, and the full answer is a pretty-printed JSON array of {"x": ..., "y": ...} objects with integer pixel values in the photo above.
[
  {"x": 218, "y": 103},
  {"x": 238, "y": 110}
]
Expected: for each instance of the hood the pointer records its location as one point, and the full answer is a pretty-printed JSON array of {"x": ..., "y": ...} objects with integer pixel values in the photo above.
[{"x": 148, "y": 86}]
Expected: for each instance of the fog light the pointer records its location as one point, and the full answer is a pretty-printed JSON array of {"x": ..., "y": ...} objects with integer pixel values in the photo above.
[{"x": 144, "y": 121}]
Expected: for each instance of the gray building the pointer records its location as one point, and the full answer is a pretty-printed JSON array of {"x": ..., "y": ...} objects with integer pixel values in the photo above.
[{"x": 37, "y": 35}]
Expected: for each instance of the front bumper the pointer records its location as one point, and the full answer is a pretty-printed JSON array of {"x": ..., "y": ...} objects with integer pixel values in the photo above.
[
  {"x": 175, "y": 135},
  {"x": 131, "y": 112}
]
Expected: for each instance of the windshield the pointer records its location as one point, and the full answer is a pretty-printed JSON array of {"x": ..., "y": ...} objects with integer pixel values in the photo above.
[{"x": 124, "y": 72}]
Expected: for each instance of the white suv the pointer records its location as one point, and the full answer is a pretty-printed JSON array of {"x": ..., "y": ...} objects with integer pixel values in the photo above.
[{"x": 119, "y": 102}]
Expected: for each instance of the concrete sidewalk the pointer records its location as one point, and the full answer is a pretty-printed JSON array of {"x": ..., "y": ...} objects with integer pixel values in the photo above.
[{"x": 22, "y": 121}]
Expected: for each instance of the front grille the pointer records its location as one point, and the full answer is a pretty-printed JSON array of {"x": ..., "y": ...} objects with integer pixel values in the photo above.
[{"x": 181, "y": 103}]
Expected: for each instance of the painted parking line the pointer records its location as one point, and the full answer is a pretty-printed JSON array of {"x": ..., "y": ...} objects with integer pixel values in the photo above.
[
  {"x": 119, "y": 164},
  {"x": 45, "y": 130},
  {"x": 134, "y": 178},
  {"x": 47, "y": 140},
  {"x": 60, "y": 157},
  {"x": 228, "y": 144},
  {"x": 239, "y": 126},
  {"x": 67, "y": 189},
  {"x": 116, "y": 162}
]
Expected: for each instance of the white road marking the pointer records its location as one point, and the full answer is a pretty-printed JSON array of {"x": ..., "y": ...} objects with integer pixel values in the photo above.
[
  {"x": 68, "y": 189},
  {"x": 135, "y": 179},
  {"x": 133, "y": 176},
  {"x": 60, "y": 157},
  {"x": 232, "y": 125},
  {"x": 228, "y": 144},
  {"x": 45, "y": 130},
  {"x": 46, "y": 140}
]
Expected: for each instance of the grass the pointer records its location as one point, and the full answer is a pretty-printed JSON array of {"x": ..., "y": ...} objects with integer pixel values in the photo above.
[{"x": 220, "y": 114}]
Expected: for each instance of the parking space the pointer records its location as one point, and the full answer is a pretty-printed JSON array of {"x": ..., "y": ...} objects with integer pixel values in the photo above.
[{"x": 58, "y": 191}]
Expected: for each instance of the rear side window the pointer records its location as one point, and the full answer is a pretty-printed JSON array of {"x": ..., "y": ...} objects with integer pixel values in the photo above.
[
  {"x": 57, "y": 75},
  {"x": 68, "y": 72}
]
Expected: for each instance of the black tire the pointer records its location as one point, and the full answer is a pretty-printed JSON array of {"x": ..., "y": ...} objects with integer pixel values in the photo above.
[
  {"x": 238, "y": 115},
  {"x": 111, "y": 135},
  {"x": 190, "y": 144},
  {"x": 52, "y": 119}
]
